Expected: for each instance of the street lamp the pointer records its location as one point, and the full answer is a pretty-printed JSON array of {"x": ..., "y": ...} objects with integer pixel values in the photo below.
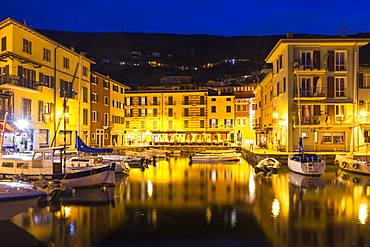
[{"x": 22, "y": 124}]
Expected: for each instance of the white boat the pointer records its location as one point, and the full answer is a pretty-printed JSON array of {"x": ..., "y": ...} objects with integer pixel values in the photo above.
[
  {"x": 349, "y": 163},
  {"x": 208, "y": 157},
  {"x": 16, "y": 197},
  {"x": 121, "y": 165},
  {"x": 307, "y": 164},
  {"x": 267, "y": 165},
  {"x": 48, "y": 164}
]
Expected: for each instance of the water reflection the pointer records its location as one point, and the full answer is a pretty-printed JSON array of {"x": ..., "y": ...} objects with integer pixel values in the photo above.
[{"x": 210, "y": 205}]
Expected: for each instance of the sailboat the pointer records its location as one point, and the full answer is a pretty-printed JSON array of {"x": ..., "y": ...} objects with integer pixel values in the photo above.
[{"x": 306, "y": 164}]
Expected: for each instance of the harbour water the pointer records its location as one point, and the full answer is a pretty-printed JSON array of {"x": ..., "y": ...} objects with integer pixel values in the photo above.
[{"x": 174, "y": 204}]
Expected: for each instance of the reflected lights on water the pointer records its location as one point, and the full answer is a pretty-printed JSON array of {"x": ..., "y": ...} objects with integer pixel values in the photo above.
[
  {"x": 362, "y": 213},
  {"x": 275, "y": 210}
]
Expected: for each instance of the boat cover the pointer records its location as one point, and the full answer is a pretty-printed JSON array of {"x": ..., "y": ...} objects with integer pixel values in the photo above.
[{"x": 82, "y": 147}]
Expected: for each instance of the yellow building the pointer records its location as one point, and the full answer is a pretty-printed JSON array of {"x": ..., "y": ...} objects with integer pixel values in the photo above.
[
  {"x": 313, "y": 81},
  {"x": 166, "y": 116},
  {"x": 117, "y": 111},
  {"x": 37, "y": 73}
]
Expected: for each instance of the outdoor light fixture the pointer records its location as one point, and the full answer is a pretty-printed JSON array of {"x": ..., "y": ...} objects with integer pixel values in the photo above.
[
  {"x": 22, "y": 124},
  {"x": 275, "y": 115},
  {"x": 362, "y": 113}
]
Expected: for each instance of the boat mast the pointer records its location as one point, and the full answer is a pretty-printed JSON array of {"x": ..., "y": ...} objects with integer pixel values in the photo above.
[
  {"x": 299, "y": 108},
  {"x": 79, "y": 99},
  {"x": 2, "y": 133}
]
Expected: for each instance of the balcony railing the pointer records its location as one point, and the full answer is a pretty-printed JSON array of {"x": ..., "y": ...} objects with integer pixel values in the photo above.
[
  {"x": 323, "y": 120},
  {"x": 20, "y": 82},
  {"x": 313, "y": 92}
]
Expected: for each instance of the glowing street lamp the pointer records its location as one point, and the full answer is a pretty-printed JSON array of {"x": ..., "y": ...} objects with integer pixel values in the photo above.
[{"x": 22, "y": 124}]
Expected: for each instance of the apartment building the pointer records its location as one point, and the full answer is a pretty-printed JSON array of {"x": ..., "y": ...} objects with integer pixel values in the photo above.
[
  {"x": 37, "y": 75},
  {"x": 221, "y": 113},
  {"x": 166, "y": 116},
  {"x": 313, "y": 93},
  {"x": 117, "y": 112}
]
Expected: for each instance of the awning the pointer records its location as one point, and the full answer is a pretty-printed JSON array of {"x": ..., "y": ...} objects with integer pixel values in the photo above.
[{"x": 8, "y": 128}]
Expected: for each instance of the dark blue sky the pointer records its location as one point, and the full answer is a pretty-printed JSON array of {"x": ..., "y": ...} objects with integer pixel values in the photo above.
[{"x": 223, "y": 17}]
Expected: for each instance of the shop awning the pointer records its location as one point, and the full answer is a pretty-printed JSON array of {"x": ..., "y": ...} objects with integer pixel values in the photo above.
[{"x": 8, "y": 128}]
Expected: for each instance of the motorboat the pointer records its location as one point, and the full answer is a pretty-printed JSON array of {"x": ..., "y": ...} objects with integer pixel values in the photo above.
[
  {"x": 16, "y": 197},
  {"x": 349, "y": 163},
  {"x": 267, "y": 165},
  {"x": 215, "y": 157},
  {"x": 306, "y": 164},
  {"x": 120, "y": 161},
  {"x": 48, "y": 164}
]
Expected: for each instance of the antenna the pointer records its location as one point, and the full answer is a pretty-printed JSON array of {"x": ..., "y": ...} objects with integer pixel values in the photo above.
[{"x": 24, "y": 23}]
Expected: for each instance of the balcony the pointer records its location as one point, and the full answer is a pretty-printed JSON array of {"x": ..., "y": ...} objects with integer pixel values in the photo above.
[
  {"x": 324, "y": 120},
  {"x": 317, "y": 93},
  {"x": 11, "y": 81},
  {"x": 70, "y": 94}
]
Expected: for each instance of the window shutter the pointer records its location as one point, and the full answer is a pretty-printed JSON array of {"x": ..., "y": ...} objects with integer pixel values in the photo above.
[
  {"x": 316, "y": 110},
  {"x": 330, "y": 60},
  {"x": 361, "y": 80},
  {"x": 20, "y": 72},
  {"x": 316, "y": 59},
  {"x": 331, "y": 113},
  {"x": 330, "y": 86},
  {"x": 41, "y": 78}
]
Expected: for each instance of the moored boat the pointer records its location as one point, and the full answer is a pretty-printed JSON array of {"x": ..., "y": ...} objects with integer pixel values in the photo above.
[
  {"x": 349, "y": 163},
  {"x": 217, "y": 157},
  {"x": 267, "y": 165},
  {"x": 16, "y": 197}
]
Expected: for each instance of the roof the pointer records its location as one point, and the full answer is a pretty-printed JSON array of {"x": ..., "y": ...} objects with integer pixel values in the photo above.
[
  {"x": 315, "y": 42},
  {"x": 9, "y": 21},
  {"x": 106, "y": 77}
]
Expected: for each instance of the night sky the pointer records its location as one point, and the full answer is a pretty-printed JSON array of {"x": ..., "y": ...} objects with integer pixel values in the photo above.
[{"x": 222, "y": 17}]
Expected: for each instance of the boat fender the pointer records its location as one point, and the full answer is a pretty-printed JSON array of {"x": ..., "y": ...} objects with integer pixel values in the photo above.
[{"x": 355, "y": 166}]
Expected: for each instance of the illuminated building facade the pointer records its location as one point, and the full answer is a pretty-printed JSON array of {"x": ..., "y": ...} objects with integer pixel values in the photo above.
[
  {"x": 313, "y": 80},
  {"x": 39, "y": 74}
]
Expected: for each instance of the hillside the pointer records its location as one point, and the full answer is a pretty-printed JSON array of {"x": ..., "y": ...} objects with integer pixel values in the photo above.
[{"x": 141, "y": 58}]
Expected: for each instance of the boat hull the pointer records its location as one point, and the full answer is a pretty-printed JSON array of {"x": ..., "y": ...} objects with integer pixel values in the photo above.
[
  {"x": 307, "y": 168},
  {"x": 9, "y": 209},
  {"x": 350, "y": 164}
]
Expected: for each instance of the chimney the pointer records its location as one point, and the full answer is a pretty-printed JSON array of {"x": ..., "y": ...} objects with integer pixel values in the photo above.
[
  {"x": 72, "y": 48},
  {"x": 290, "y": 35}
]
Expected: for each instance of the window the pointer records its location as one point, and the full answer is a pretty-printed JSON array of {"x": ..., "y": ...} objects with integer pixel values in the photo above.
[
  {"x": 170, "y": 100},
  {"x": 228, "y": 99},
  {"x": 213, "y": 109},
  {"x": 115, "y": 88},
  {"x": 213, "y": 99},
  {"x": 106, "y": 119},
  {"x": 128, "y": 101},
  {"x": 94, "y": 97},
  {"x": 238, "y": 108},
  {"x": 340, "y": 87},
  {"x": 155, "y": 112},
  {"x": 339, "y": 60},
  {"x": 142, "y": 101},
  {"x": 94, "y": 116},
  {"x": 65, "y": 63},
  {"x": 170, "y": 112},
  {"x": 142, "y": 112},
  {"x": 143, "y": 124},
  {"x": 94, "y": 79},
  {"x": 128, "y": 113},
  {"x": 106, "y": 100},
  {"x": 186, "y": 112},
  {"x": 26, "y": 108},
  {"x": 202, "y": 112},
  {"x": 326, "y": 138},
  {"x": 127, "y": 124},
  {"x": 84, "y": 71},
  {"x": 306, "y": 60},
  {"x": 339, "y": 113},
  {"x": 278, "y": 89},
  {"x": 27, "y": 46},
  {"x": 213, "y": 123},
  {"x": 228, "y": 108},
  {"x": 40, "y": 115},
  {"x": 155, "y": 100},
  {"x": 202, "y": 100},
  {"x": 244, "y": 107},
  {"x": 92, "y": 135},
  {"x": 85, "y": 95},
  {"x": 305, "y": 87},
  {"x": 170, "y": 124},
  {"x": 338, "y": 138},
  {"x": 201, "y": 124},
  {"x": 106, "y": 84},
  {"x": 44, "y": 137},
  {"x": 228, "y": 123},
  {"x": 155, "y": 124},
  {"x": 367, "y": 136},
  {"x": 122, "y": 90},
  {"x": 3, "y": 43},
  {"x": 186, "y": 100},
  {"x": 47, "y": 55},
  {"x": 186, "y": 123},
  {"x": 85, "y": 117}
]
